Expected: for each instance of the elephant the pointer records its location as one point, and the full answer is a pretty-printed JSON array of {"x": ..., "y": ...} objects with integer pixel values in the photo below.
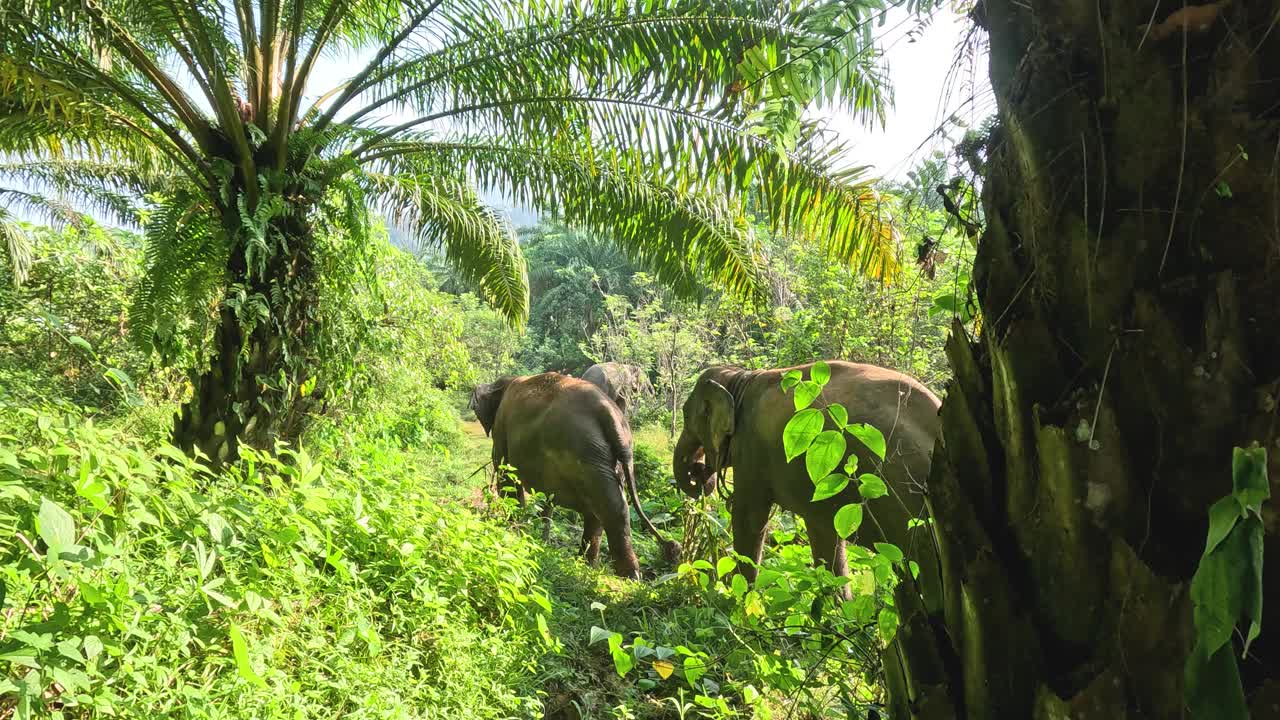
[
  {"x": 566, "y": 438},
  {"x": 621, "y": 382},
  {"x": 735, "y": 418}
]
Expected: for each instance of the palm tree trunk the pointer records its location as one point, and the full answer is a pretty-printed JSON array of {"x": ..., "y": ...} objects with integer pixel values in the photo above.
[
  {"x": 251, "y": 391},
  {"x": 1128, "y": 278}
]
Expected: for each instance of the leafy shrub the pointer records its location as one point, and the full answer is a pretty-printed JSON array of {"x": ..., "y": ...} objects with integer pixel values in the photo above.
[
  {"x": 64, "y": 334},
  {"x": 137, "y": 584},
  {"x": 652, "y": 471}
]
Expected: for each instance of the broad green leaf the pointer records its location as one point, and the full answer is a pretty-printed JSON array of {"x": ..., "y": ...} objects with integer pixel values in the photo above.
[
  {"x": 889, "y": 550},
  {"x": 694, "y": 668},
  {"x": 825, "y": 454},
  {"x": 887, "y": 624},
  {"x": 870, "y": 436},
  {"x": 55, "y": 526},
  {"x": 725, "y": 565},
  {"x": 597, "y": 634},
  {"x": 81, "y": 343},
  {"x": 829, "y": 487},
  {"x": 821, "y": 373},
  {"x": 219, "y": 529},
  {"x": 848, "y": 519},
  {"x": 92, "y": 646},
  {"x": 838, "y": 414},
  {"x": 790, "y": 379},
  {"x": 241, "y": 651},
  {"x": 800, "y": 431},
  {"x": 1253, "y": 583},
  {"x": 871, "y": 487},
  {"x": 1249, "y": 476},
  {"x": 806, "y": 392},
  {"x": 915, "y": 568},
  {"x": 544, "y": 631},
  {"x": 622, "y": 661},
  {"x": 1222, "y": 518},
  {"x": 739, "y": 585}
]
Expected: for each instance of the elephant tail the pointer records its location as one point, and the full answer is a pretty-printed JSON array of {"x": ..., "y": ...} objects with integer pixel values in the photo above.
[{"x": 671, "y": 549}]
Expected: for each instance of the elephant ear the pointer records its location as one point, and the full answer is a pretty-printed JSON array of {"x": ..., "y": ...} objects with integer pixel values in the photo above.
[
  {"x": 718, "y": 404},
  {"x": 484, "y": 402}
]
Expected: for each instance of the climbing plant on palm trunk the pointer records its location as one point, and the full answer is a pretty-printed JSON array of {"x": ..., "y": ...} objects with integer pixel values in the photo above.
[
  {"x": 645, "y": 120},
  {"x": 1128, "y": 281}
]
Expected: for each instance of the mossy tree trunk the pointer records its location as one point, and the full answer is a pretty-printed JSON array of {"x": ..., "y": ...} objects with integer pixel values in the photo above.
[
  {"x": 1129, "y": 278},
  {"x": 252, "y": 391}
]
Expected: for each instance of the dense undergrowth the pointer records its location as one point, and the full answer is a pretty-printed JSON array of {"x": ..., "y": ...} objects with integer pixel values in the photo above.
[
  {"x": 370, "y": 578},
  {"x": 367, "y": 572},
  {"x": 289, "y": 586}
]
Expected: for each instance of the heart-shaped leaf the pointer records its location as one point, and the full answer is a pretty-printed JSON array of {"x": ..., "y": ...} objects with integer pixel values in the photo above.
[
  {"x": 806, "y": 393},
  {"x": 871, "y": 487},
  {"x": 825, "y": 454},
  {"x": 848, "y": 519},
  {"x": 821, "y": 373},
  {"x": 870, "y": 436},
  {"x": 830, "y": 486},
  {"x": 800, "y": 431}
]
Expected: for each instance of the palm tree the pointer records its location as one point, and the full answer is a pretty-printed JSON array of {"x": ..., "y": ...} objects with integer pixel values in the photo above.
[{"x": 209, "y": 124}]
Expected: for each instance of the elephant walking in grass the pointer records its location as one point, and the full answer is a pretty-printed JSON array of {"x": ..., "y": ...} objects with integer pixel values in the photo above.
[
  {"x": 735, "y": 418},
  {"x": 565, "y": 438},
  {"x": 621, "y": 382}
]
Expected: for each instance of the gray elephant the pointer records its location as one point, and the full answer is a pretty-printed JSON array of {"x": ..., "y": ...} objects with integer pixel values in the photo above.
[
  {"x": 621, "y": 382},
  {"x": 735, "y": 418},
  {"x": 565, "y": 438}
]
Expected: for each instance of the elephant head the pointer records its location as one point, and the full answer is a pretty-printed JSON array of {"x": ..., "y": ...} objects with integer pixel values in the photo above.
[
  {"x": 701, "y": 453},
  {"x": 485, "y": 400}
]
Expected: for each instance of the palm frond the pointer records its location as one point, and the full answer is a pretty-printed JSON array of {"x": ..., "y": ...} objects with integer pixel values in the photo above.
[
  {"x": 17, "y": 245},
  {"x": 477, "y": 241}
]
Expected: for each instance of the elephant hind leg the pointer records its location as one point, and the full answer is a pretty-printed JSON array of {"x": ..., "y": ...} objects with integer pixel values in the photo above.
[
  {"x": 589, "y": 549},
  {"x": 625, "y": 563}
]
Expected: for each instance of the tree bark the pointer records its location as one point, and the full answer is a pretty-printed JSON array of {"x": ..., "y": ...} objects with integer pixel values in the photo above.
[
  {"x": 1129, "y": 280},
  {"x": 251, "y": 391}
]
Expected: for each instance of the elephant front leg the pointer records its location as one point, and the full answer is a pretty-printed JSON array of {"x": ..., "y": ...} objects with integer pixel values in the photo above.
[
  {"x": 750, "y": 518},
  {"x": 828, "y": 550},
  {"x": 589, "y": 549}
]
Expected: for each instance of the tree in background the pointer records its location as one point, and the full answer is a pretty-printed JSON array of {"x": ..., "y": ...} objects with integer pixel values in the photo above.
[
  {"x": 1128, "y": 281},
  {"x": 208, "y": 125}
]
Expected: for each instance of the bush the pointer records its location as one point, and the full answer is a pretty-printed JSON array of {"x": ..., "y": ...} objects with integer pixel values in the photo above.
[
  {"x": 140, "y": 585},
  {"x": 653, "y": 472}
]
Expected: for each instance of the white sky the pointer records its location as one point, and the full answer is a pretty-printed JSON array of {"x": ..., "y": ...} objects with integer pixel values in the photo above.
[{"x": 924, "y": 94}]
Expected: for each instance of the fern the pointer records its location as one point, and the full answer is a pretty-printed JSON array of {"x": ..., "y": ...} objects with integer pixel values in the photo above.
[{"x": 185, "y": 257}]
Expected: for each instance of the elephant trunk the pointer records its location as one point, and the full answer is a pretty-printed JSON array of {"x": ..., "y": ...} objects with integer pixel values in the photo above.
[{"x": 689, "y": 467}]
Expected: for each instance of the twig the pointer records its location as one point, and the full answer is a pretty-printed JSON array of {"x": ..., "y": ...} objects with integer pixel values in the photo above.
[
  {"x": 1093, "y": 427},
  {"x": 1182, "y": 160}
]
